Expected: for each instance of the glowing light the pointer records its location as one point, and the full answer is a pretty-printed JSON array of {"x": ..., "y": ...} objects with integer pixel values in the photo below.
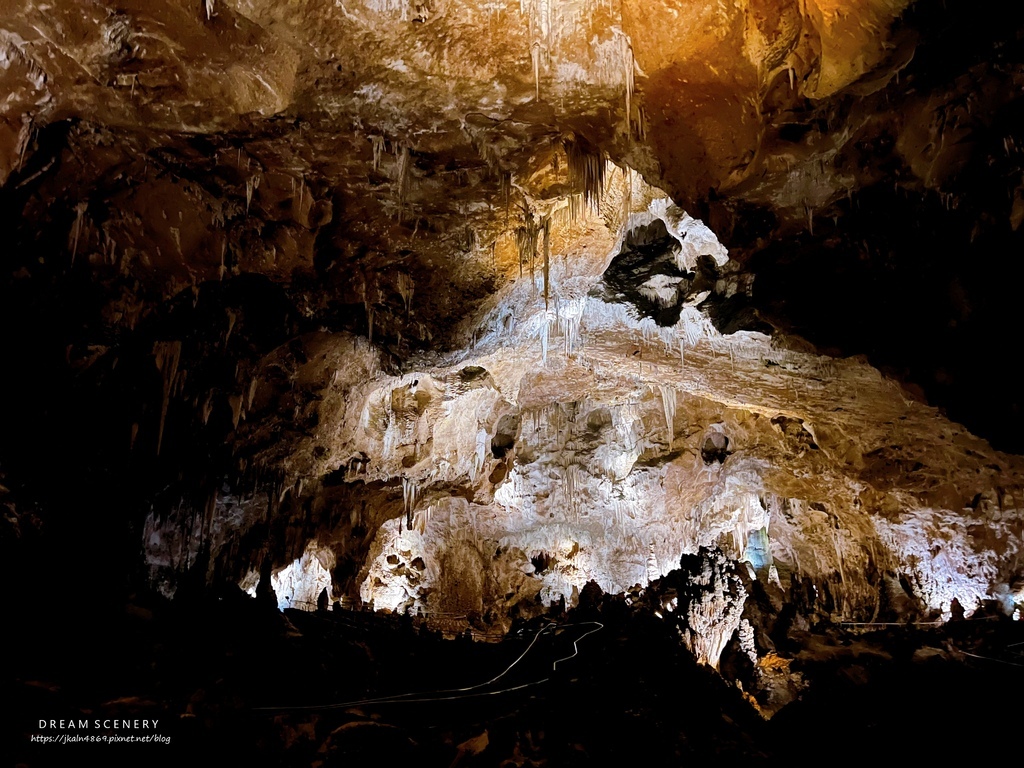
[{"x": 299, "y": 584}]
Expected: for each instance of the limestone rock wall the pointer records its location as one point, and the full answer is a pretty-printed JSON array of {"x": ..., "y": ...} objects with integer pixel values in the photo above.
[{"x": 575, "y": 440}]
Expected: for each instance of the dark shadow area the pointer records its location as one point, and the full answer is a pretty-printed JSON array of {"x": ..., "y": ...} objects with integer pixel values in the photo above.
[{"x": 224, "y": 672}]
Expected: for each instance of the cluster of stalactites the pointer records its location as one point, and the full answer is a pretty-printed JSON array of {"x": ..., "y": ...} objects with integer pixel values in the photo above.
[{"x": 586, "y": 169}]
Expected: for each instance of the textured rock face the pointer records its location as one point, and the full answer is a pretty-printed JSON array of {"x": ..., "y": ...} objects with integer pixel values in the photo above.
[
  {"x": 578, "y": 440},
  {"x": 629, "y": 436},
  {"x": 455, "y": 307}
]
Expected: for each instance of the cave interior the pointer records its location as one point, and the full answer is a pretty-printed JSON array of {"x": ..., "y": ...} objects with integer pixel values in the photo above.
[{"x": 551, "y": 383}]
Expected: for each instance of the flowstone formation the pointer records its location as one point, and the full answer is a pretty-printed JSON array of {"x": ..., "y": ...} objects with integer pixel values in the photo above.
[{"x": 576, "y": 439}]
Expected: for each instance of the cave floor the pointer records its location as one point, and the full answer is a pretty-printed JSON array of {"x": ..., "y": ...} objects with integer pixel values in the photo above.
[{"x": 229, "y": 676}]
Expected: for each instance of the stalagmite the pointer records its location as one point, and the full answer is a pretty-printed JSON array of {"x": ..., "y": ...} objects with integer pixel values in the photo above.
[
  {"x": 653, "y": 570},
  {"x": 745, "y": 634},
  {"x": 710, "y": 605}
]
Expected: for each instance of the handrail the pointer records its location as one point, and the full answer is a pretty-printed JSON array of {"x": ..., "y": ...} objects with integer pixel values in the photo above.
[{"x": 467, "y": 692}]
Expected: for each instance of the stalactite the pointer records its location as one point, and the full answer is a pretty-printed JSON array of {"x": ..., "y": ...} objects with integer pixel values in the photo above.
[
  {"x": 572, "y": 489},
  {"x": 207, "y": 409},
  {"x": 378, "y": 151},
  {"x": 526, "y": 239},
  {"x": 569, "y": 322},
  {"x": 535, "y": 54},
  {"x": 252, "y": 391},
  {"x": 410, "y": 495},
  {"x": 586, "y": 169},
  {"x": 839, "y": 555},
  {"x": 505, "y": 191},
  {"x": 405, "y": 287},
  {"x": 627, "y": 197},
  {"x": 167, "y": 355},
  {"x": 533, "y": 265},
  {"x": 544, "y": 339},
  {"x": 668, "y": 403},
  {"x": 546, "y": 228},
  {"x": 232, "y": 319},
  {"x": 235, "y": 402},
  {"x": 27, "y": 132},
  {"x": 627, "y": 63},
  {"x": 80, "y": 209},
  {"x": 109, "y": 249},
  {"x": 251, "y": 185},
  {"x": 574, "y": 208},
  {"x": 483, "y": 444},
  {"x": 640, "y": 125},
  {"x": 402, "y": 168},
  {"x": 364, "y": 294}
]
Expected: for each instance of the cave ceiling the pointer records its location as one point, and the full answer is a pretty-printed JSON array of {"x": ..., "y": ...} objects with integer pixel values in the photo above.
[{"x": 657, "y": 251}]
